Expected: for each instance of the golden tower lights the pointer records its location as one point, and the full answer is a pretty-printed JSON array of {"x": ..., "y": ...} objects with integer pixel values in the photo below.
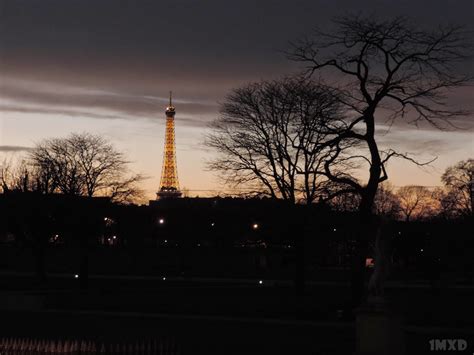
[{"x": 169, "y": 184}]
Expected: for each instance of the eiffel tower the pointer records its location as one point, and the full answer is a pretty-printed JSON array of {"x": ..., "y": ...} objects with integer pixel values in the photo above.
[{"x": 169, "y": 184}]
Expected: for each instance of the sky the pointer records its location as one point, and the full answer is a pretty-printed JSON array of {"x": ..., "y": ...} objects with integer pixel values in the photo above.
[{"x": 106, "y": 67}]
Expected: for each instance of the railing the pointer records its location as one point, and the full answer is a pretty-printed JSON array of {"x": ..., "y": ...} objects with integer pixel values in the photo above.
[{"x": 17, "y": 346}]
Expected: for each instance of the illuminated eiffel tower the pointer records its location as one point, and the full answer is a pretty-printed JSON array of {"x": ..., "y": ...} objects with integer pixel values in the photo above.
[{"x": 169, "y": 184}]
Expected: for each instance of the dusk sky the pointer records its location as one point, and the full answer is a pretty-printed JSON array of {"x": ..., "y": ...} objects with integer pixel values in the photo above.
[{"x": 106, "y": 67}]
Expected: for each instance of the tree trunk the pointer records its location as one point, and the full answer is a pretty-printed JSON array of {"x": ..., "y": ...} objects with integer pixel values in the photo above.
[
  {"x": 365, "y": 230},
  {"x": 358, "y": 268},
  {"x": 299, "y": 228}
]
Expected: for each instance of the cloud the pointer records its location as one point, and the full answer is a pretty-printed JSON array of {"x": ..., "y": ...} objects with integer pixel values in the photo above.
[
  {"x": 52, "y": 111},
  {"x": 32, "y": 97},
  {"x": 13, "y": 148}
]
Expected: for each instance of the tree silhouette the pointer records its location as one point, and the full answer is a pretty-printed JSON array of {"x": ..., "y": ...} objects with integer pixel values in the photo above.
[
  {"x": 380, "y": 65},
  {"x": 83, "y": 165},
  {"x": 388, "y": 65},
  {"x": 386, "y": 201},
  {"x": 415, "y": 202},
  {"x": 267, "y": 139},
  {"x": 459, "y": 183}
]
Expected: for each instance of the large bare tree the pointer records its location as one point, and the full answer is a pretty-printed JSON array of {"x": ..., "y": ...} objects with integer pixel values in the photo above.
[
  {"x": 386, "y": 65},
  {"x": 83, "y": 165},
  {"x": 383, "y": 67},
  {"x": 267, "y": 138}
]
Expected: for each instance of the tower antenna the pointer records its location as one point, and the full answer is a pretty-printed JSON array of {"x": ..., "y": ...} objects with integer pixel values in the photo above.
[{"x": 171, "y": 93}]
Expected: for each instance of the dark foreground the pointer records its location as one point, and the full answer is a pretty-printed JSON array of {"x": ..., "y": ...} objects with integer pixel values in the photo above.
[{"x": 223, "y": 316}]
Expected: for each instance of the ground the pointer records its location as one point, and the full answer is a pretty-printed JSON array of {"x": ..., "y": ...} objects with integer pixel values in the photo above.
[{"x": 219, "y": 316}]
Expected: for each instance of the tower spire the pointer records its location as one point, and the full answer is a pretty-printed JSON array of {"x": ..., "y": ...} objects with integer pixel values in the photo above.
[{"x": 171, "y": 94}]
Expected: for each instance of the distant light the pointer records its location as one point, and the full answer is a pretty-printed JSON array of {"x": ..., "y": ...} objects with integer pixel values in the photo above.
[
  {"x": 161, "y": 221},
  {"x": 289, "y": 246},
  {"x": 166, "y": 241},
  {"x": 106, "y": 219},
  {"x": 213, "y": 224},
  {"x": 421, "y": 250},
  {"x": 76, "y": 276},
  {"x": 260, "y": 282},
  {"x": 164, "y": 278},
  {"x": 255, "y": 226},
  {"x": 199, "y": 245},
  {"x": 334, "y": 230},
  {"x": 114, "y": 237}
]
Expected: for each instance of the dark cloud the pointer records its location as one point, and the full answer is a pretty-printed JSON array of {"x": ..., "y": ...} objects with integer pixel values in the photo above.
[
  {"x": 151, "y": 44},
  {"x": 51, "y": 111},
  {"x": 124, "y": 56},
  {"x": 13, "y": 148},
  {"x": 77, "y": 102}
]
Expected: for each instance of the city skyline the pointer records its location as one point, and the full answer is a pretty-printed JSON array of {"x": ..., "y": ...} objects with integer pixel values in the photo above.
[{"x": 64, "y": 69}]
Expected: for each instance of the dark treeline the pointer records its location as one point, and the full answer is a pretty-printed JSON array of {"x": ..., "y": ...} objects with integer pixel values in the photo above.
[{"x": 211, "y": 237}]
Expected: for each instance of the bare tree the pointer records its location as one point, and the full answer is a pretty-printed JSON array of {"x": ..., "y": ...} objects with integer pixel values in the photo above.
[
  {"x": 459, "y": 184},
  {"x": 8, "y": 176},
  {"x": 56, "y": 159},
  {"x": 416, "y": 202},
  {"x": 383, "y": 65},
  {"x": 17, "y": 176},
  {"x": 386, "y": 201},
  {"x": 267, "y": 138},
  {"x": 390, "y": 65},
  {"x": 83, "y": 165},
  {"x": 346, "y": 202},
  {"x": 125, "y": 189}
]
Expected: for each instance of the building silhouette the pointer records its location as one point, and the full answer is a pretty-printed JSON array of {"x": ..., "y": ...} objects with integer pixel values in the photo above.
[{"x": 169, "y": 184}]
